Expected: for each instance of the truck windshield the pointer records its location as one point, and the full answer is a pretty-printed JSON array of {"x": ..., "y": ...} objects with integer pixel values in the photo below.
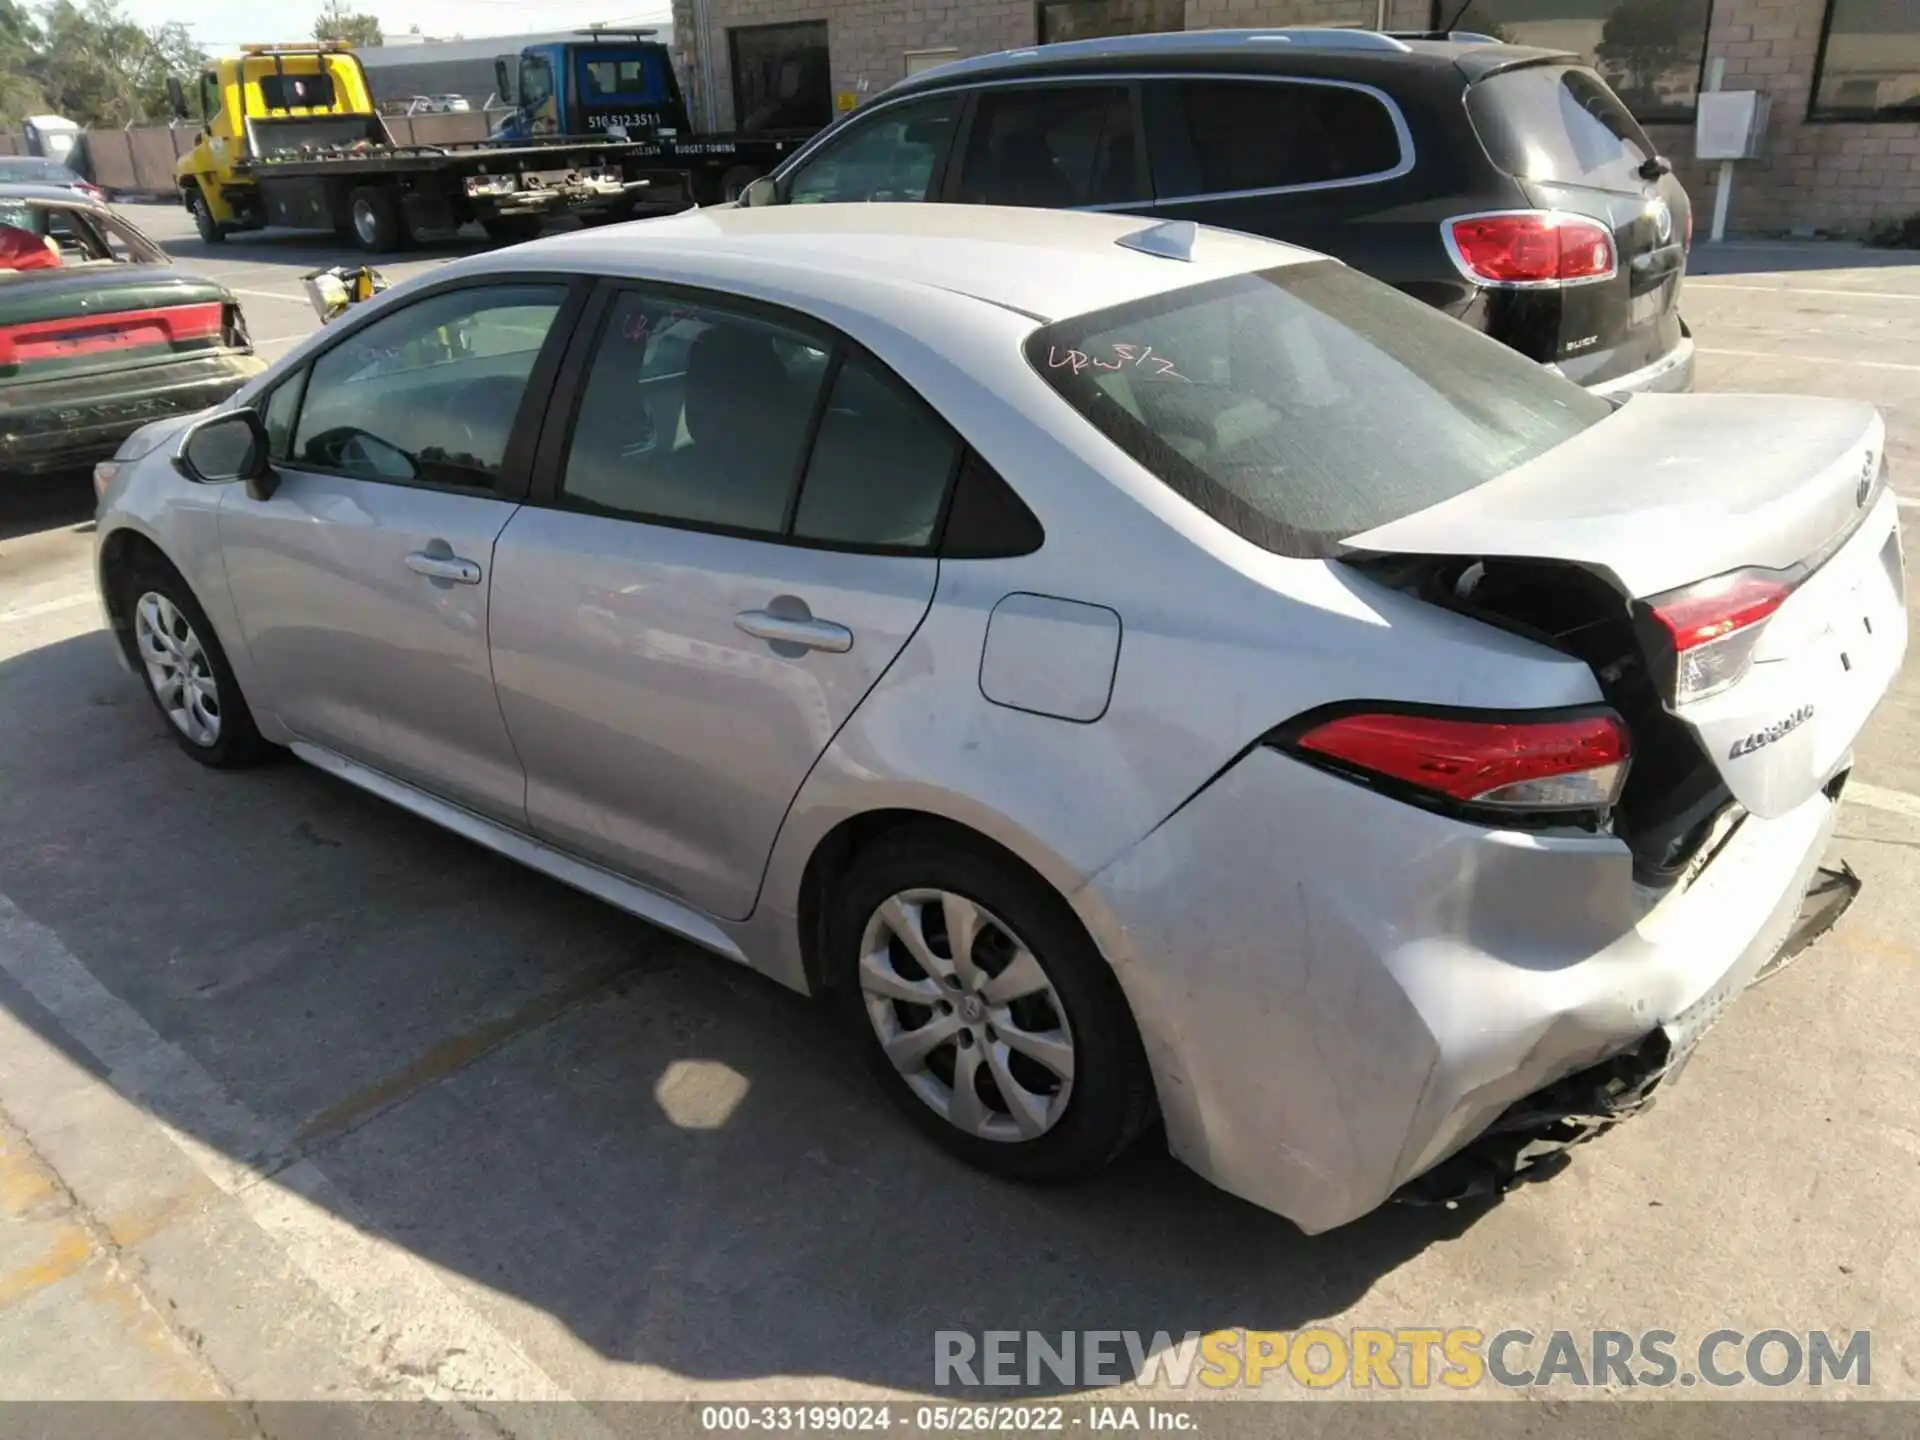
[
  {"x": 536, "y": 80},
  {"x": 633, "y": 78}
]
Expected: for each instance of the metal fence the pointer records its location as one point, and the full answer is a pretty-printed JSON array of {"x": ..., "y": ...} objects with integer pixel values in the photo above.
[{"x": 139, "y": 160}]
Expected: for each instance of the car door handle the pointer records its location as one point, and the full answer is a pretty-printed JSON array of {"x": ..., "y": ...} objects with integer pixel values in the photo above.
[
  {"x": 444, "y": 567},
  {"x": 784, "y": 630}
]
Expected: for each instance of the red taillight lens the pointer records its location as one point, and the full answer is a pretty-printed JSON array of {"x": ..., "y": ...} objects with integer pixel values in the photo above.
[
  {"x": 1714, "y": 626},
  {"x": 1531, "y": 247},
  {"x": 1565, "y": 762},
  {"x": 94, "y": 334}
]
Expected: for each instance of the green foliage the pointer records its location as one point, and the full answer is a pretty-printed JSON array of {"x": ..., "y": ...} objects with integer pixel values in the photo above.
[
  {"x": 336, "y": 22},
  {"x": 88, "y": 62}
]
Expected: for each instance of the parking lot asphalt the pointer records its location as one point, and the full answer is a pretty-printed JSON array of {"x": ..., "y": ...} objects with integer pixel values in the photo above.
[{"x": 302, "y": 1097}]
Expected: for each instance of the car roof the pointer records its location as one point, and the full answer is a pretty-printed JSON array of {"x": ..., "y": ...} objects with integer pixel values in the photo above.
[
  {"x": 1042, "y": 263},
  {"x": 48, "y": 195},
  {"x": 1314, "y": 51}
]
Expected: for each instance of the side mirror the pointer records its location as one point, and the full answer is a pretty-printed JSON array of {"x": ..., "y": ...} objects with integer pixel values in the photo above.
[
  {"x": 760, "y": 192},
  {"x": 230, "y": 446},
  {"x": 176, "y": 97},
  {"x": 506, "y": 79}
]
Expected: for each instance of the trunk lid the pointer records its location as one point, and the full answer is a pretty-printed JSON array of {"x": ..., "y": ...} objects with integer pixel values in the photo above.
[
  {"x": 105, "y": 317},
  {"x": 1673, "y": 490}
]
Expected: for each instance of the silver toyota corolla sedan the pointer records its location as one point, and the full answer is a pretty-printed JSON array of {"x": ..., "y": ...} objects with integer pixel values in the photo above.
[{"x": 1136, "y": 672}]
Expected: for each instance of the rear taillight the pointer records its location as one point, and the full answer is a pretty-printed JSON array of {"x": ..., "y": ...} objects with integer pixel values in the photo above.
[
  {"x": 1530, "y": 247},
  {"x": 81, "y": 335},
  {"x": 1557, "y": 762},
  {"x": 1714, "y": 625}
]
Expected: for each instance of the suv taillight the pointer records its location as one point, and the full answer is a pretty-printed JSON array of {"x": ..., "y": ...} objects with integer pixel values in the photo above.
[
  {"x": 1558, "y": 761},
  {"x": 1713, "y": 626},
  {"x": 1530, "y": 247}
]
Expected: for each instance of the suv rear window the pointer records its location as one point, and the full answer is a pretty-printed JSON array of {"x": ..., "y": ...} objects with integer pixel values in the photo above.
[
  {"x": 1303, "y": 405},
  {"x": 1559, "y": 122},
  {"x": 1265, "y": 134}
]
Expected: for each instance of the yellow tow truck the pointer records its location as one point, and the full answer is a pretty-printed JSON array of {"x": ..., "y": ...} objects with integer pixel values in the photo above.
[{"x": 292, "y": 138}]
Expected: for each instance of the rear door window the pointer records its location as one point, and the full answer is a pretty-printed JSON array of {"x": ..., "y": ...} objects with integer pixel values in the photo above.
[
  {"x": 1060, "y": 147},
  {"x": 1559, "y": 123},
  {"x": 1306, "y": 404},
  {"x": 1270, "y": 135}
]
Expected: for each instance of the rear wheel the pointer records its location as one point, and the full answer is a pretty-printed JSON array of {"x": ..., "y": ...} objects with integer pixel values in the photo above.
[
  {"x": 511, "y": 229},
  {"x": 185, "y": 671},
  {"x": 985, "y": 1010},
  {"x": 375, "y": 219},
  {"x": 211, "y": 230}
]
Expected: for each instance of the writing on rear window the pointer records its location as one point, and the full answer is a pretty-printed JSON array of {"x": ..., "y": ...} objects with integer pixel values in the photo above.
[{"x": 1121, "y": 356}]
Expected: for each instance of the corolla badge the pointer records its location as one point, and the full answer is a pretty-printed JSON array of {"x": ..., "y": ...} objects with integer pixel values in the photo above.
[
  {"x": 1661, "y": 214},
  {"x": 1760, "y": 739}
]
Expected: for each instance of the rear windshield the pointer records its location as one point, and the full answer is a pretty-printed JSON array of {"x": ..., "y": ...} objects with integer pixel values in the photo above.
[
  {"x": 1304, "y": 405},
  {"x": 1559, "y": 122},
  {"x": 296, "y": 92}
]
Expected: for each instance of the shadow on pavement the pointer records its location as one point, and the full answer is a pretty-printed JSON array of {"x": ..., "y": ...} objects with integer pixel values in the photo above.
[
  {"x": 1754, "y": 257},
  {"x": 682, "y": 1163}
]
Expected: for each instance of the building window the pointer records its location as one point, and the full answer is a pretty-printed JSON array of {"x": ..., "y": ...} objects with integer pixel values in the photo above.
[
  {"x": 1869, "y": 65},
  {"x": 781, "y": 79},
  {"x": 1649, "y": 51},
  {"x": 1091, "y": 19}
]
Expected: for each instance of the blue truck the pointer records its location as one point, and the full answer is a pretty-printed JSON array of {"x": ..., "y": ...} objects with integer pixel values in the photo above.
[{"x": 619, "y": 85}]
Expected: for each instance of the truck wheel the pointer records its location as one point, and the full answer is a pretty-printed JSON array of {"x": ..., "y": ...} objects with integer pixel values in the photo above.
[
  {"x": 211, "y": 230},
  {"x": 734, "y": 183},
  {"x": 376, "y": 220},
  {"x": 511, "y": 229}
]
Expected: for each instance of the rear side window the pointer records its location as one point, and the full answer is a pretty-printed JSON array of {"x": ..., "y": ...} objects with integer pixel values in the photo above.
[
  {"x": 1054, "y": 148},
  {"x": 1263, "y": 134},
  {"x": 296, "y": 92},
  {"x": 1560, "y": 123},
  {"x": 1304, "y": 405}
]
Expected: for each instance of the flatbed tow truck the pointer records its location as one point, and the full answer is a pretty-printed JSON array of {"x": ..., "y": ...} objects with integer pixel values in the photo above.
[{"x": 293, "y": 139}]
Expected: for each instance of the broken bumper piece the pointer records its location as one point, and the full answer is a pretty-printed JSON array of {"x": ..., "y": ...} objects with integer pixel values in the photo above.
[{"x": 1532, "y": 1138}]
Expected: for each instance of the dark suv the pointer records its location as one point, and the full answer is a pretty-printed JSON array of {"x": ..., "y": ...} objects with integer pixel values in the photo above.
[{"x": 1506, "y": 185}]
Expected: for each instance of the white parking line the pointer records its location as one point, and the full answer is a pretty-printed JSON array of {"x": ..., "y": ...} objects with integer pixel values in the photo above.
[
  {"x": 1895, "y": 802},
  {"x": 1693, "y": 285},
  {"x": 1812, "y": 359},
  {"x": 270, "y": 295},
  {"x": 46, "y": 607}
]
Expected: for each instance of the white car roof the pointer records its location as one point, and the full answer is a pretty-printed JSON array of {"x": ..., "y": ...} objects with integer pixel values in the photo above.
[{"x": 1044, "y": 263}]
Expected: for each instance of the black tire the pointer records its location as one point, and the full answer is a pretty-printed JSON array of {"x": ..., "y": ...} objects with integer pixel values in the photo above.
[
  {"x": 1110, "y": 1101},
  {"x": 734, "y": 183},
  {"x": 211, "y": 231},
  {"x": 238, "y": 743},
  {"x": 511, "y": 229},
  {"x": 374, "y": 218}
]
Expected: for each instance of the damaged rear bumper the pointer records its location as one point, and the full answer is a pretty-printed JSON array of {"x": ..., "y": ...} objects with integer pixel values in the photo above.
[{"x": 1531, "y": 1139}]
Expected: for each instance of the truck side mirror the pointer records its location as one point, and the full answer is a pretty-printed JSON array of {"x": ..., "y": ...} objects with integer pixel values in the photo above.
[
  {"x": 176, "y": 97},
  {"x": 506, "y": 79}
]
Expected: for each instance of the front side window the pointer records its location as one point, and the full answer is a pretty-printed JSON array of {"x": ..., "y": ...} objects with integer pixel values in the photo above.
[
  {"x": 429, "y": 393},
  {"x": 1303, "y": 405},
  {"x": 536, "y": 81},
  {"x": 1058, "y": 147},
  {"x": 1263, "y": 135},
  {"x": 1870, "y": 64},
  {"x": 893, "y": 155},
  {"x": 1648, "y": 50}
]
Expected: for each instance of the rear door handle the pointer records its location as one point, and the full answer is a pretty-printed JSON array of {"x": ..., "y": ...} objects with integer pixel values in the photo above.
[
  {"x": 809, "y": 633},
  {"x": 444, "y": 567}
]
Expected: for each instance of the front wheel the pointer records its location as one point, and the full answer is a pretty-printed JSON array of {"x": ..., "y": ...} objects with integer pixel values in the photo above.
[
  {"x": 185, "y": 672},
  {"x": 985, "y": 1010},
  {"x": 211, "y": 231}
]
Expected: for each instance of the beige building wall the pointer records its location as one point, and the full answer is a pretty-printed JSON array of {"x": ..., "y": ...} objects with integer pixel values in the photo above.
[{"x": 1815, "y": 177}]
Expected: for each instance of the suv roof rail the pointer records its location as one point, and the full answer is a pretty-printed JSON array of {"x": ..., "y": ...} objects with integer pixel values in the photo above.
[{"x": 1173, "y": 41}]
